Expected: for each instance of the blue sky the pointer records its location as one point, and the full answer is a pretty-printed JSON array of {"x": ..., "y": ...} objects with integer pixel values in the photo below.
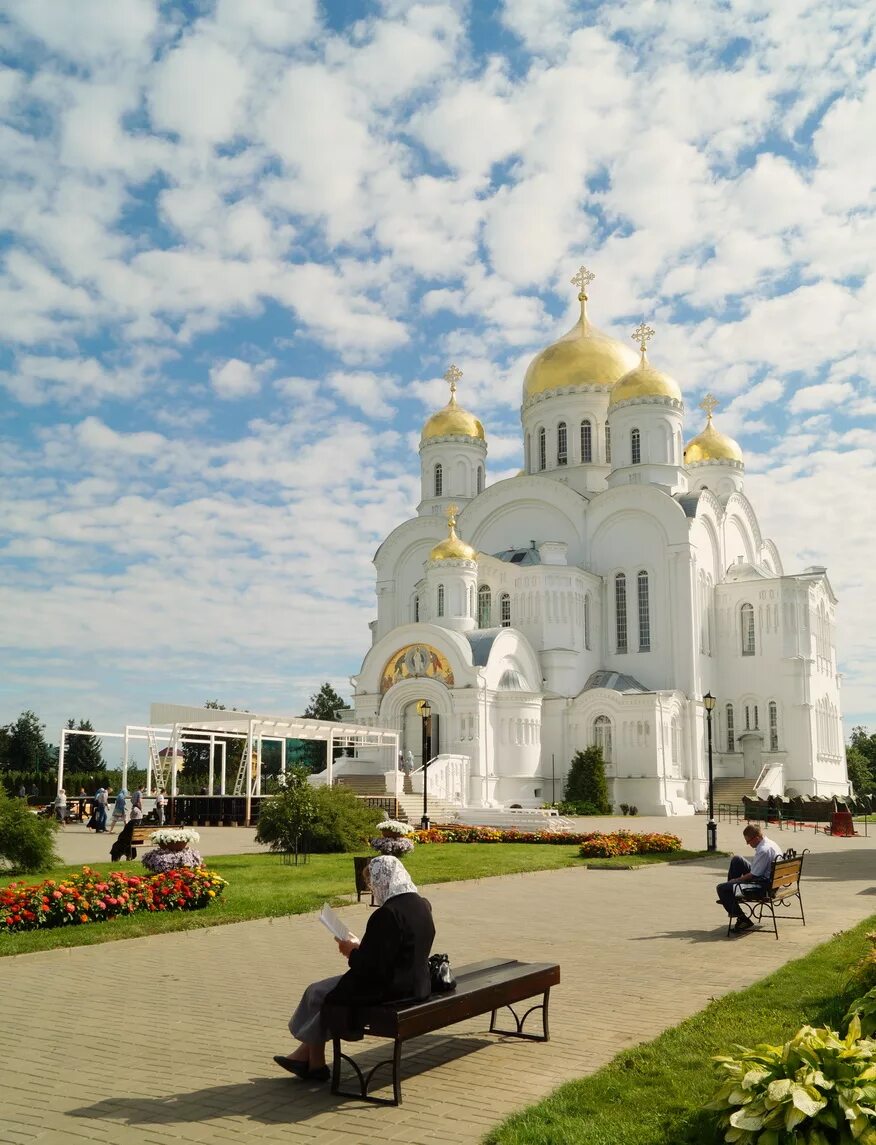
[{"x": 244, "y": 238}]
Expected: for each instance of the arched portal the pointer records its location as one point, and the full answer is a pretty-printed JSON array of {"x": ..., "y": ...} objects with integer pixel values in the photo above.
[{"x": 419, "y": 735}]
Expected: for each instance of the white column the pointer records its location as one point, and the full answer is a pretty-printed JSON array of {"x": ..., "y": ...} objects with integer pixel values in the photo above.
[
  {"x": 223, "y": 746},
  {"x": 328, "y": 759},
  {"x": 283, "y": 756},
  {"x": 125, "y": 766},
  {"x": 247, "y": 778},
  {"x": 257, "y": 777},
  {"x": 171, "y": 755},
  {"x": 61, "y": 750},
  {"x": 212, "y": 772}
]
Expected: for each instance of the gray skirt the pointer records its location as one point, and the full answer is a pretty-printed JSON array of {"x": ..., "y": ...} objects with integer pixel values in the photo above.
[{"x": 307, "y": 1023}]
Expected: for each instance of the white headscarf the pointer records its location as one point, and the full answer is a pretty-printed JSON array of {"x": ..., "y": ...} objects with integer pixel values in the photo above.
[{"x": 389, "y": 878}]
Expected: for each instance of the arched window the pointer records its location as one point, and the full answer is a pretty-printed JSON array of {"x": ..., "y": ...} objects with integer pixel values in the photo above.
[
  {"x": 562, "y": 444},
  {"x": 485, "y": 606},
  {"x": 471, "y": 601},
  {"x": 731, "y": 731},
  {"x": 602, "y": 736},
  {"x": 586, "y": 442},
  {"x": 439, "y": 480},
  {"x": 607, "y": 444},
  {"x": 480, "y": 479},
  {"x": 440, "y": 599},
  {"x": 505, "y": 610},
  {"x": 587, "y": 621},
  {"x": 644, "y": 612},
  {"x": 774, "y": 726},
  {"x": 542, "y": 448},
  {"x": 527, "y": 453},
  {"x": 620, "y": 612},
  {"x": 747, "y": 615},
  {"x": 635, "y": 446}
]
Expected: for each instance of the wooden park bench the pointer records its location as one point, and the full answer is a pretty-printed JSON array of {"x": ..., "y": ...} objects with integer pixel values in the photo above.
[
  {"x": 140, "y": 835},
  {"x": 481, "y": 988},
  {"x": 781, "y": 891}
]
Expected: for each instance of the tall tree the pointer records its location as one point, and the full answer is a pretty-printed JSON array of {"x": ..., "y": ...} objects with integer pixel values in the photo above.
[
  {"x": 83, "y": 753},
  {"x": 324, "y": 705},
  {"x": 27, "y": 749},
  {"x": 861, "y": 760}
]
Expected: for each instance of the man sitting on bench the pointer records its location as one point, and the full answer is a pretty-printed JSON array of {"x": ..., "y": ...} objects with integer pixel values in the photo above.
[{"x": 744, "y": 876}]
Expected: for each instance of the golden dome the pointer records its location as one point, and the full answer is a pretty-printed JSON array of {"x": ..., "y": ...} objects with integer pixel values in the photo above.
[
  {"x": 453, "y": 419},
  {"x": 584, "y": 356},
  {"x": 644, "y": 381},
  {"x": 711, "y": 444},
  {"x": 452, "y": 548}
]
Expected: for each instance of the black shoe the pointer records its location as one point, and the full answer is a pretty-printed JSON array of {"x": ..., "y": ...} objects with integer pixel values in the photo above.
[
  {"x": 299, "y": 1068},
  {"x": 742, "y": 924},
  {"x": 321, "y": 1073}
]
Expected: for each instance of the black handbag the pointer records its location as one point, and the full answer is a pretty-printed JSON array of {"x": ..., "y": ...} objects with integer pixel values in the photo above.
[{"x": 440, "y": 974}]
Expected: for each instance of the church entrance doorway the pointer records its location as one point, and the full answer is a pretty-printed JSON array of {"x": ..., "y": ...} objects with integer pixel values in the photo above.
[{"x": 419, "y": 736}]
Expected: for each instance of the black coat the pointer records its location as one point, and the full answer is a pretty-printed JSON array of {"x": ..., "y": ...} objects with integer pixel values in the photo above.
[{"x": 392, "y": 960}]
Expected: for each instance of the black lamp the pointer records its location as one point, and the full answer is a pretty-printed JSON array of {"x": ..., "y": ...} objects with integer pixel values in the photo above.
[
  {"x": 711, "y": 826},
  {"x": 426, "y": 713}
]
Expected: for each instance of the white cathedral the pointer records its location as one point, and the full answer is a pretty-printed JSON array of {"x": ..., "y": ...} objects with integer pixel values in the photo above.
[{"x": 596, "y": 598}]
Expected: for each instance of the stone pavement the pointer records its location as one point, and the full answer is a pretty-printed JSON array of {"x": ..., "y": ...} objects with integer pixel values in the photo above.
[{"x": 178, "y": 1048}]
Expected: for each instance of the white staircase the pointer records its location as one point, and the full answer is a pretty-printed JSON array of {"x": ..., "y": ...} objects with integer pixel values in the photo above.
[{"x": 731, "y": 790}]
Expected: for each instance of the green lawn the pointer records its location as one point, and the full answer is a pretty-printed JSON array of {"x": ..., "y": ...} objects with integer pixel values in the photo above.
[{"x": 652, "y": 1094}]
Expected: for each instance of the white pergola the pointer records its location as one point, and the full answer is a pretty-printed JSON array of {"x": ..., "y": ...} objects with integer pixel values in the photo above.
[{"x": 176, "y": 725}]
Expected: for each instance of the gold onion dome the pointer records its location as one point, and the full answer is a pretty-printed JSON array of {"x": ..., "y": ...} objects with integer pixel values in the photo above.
[
  {"x": 644, "y": 381},
  {"x": 711, "y": 444},
  {"x": 584, "y": 356},
  {"x": 452, "y": 548},
  {"x": 453, "y": 419}
]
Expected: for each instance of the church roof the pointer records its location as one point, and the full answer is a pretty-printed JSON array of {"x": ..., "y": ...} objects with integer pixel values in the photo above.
[
  {"x": 481, "y": 641},
  {"x": 616, "y": 681},
  {"x": 528, "y": 556}
]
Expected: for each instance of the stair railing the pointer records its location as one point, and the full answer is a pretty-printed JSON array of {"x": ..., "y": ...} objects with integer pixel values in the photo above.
[{"x": 446, "y": 777}]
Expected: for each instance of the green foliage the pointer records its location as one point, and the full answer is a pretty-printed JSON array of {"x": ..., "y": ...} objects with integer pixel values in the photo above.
[
  {"x": 576, "y": 807},
  {"x": 816, "y": 1089},
  {"x": 27, "y": 842},
  {"x": 585, "y": 782},
  {"x": 324, "y": 705},
  {"x": 860, "y": 775},
  {"x": 25, "y": 745},
  {"x": 864, "y": 1009},
  {"x": 286, "y": 819},
  {"x": 82, "y": 753},
  {"x": 343, "y": 822}
]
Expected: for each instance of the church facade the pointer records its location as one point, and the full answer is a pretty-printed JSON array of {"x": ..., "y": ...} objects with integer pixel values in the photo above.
[{"x": 597, "y": 597}]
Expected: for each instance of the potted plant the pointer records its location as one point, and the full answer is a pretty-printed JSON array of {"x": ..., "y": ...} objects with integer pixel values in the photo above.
[
  {"x": 173, "y": 848},
  {"x": 394, "y": 838}
]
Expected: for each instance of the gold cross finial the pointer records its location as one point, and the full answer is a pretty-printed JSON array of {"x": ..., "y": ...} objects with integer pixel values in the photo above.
[
  {"x": 582, "y": 280},
  {"x": 452, "y": 375},
  {"x": 452, "y": 510},
  {"x": 643, "y": 335},
  {"x": 709, "y": 404}
]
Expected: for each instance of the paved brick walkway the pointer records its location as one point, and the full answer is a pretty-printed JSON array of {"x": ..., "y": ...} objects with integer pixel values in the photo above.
[{"x": 639, "y": 951}]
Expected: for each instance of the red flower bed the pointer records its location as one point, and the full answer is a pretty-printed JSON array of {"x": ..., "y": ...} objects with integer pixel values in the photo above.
[
  {"x": 92, "y": 897},
  {"x": 593, "y": 843}
]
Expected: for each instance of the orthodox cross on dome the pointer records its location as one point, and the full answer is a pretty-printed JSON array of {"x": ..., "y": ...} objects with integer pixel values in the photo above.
[
  {"x": 582, "y": 280},
  {"x": 643, "y": 335},
  {"x": 452, "y": 375},
  {"x": 709, "y": 404},
  {"x": 452, "y": 510}
]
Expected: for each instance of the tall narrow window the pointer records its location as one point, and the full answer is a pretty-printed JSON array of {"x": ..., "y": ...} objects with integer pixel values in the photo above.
[
  {"x": 607, "y": 444},
  {"x": 416, "y": 608},
  {"x": 635, "y": 446},
  {"x": 620, "y": 611},
  {"x": 562, "y": 444},
  {"x": 527, "y": 453},
  {"x": 602, "y": 736},
  {"x": 644, "y": 612},
  {"x": 586, "y": 442},
  {"x": 747, "y": 615},
  {"x": 756, "y": 721},
  {"x": 731, "y": 731},
  {"x": 587, "y": 621},
  {"x": 440, "y": 599},
  {"x": 480, "y": 479},
  {"x": 471, "y": 601},
  {"x": 774, "y": 726},
  {"x": 485, "y": 606},
  {"x": 542, "y": 449},
  {"x": 505, "y": 610},
  {"x": 439, "y": 480}
]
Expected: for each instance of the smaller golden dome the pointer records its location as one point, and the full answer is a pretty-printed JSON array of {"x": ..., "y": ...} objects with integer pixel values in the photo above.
[
  {"x": 711, "y": 444},
  {"x": 453, "y": 419},
  {"x": 452, "y": 548},
  {"x": 644, "y": 381}
]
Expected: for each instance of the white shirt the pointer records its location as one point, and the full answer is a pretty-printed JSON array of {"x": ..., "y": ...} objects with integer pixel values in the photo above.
[{"x": 764, "y": 853}]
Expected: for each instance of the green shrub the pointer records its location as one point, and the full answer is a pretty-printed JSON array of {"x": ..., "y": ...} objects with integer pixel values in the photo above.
[
  {"x": 27, "y": 842},
  {"x": 816, "y": 1089},
  {"x": 577, "y": 807},
  {"x": 287, "y": 818},
  {"x": 343, "y": 822},
  {"x": 585, "y": 782},
  {"x": 864, "y": 1009}
]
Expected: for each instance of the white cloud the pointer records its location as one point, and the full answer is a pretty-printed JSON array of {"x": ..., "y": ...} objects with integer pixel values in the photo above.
[
  {"x": 234, "y": 379},
  {"x": 367, "y": 392},
  {"x": 823, "y": 396},
  {"x": 199, "y": 91}
]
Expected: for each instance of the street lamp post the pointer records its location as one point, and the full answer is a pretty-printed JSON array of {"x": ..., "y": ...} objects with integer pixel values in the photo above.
[
  {"x": 426, "y": 713},
  {"x": 711, "y": 826}
]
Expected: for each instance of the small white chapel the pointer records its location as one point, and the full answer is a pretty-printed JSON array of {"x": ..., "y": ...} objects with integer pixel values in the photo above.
[{"x": 597, "y": 598}]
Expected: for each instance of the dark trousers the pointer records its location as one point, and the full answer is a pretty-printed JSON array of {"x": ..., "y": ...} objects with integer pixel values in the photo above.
[
  {"x": 727, "y": 891},
  {"x": 100, "y": 817}
]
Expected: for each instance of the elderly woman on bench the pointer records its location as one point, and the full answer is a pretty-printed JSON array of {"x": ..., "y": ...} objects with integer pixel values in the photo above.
[{"x": 390, "y": 962}]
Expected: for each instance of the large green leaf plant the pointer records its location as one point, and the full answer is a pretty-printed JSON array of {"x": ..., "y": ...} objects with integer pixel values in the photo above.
[{"x": 817, "y": 1089}]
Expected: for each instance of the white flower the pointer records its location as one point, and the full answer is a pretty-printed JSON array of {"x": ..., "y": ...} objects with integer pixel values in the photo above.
[
  {"x": 167, "y": 835},
  {"x": 395, "y": 825}
]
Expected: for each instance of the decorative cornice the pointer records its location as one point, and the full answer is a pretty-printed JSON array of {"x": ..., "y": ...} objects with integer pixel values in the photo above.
[
  {"x": 455, "y": 438},
  {"x": 713, "y": 461},
  {"x": 563, "y": 391},
  {"x": 655, "y": 400}
]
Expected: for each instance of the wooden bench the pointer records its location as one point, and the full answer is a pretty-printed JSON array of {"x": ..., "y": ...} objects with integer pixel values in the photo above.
[
  {"x": 481, "y": 988},
  {"x": 140, "y": 836},
  {"x": 783, "y": 889}
]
